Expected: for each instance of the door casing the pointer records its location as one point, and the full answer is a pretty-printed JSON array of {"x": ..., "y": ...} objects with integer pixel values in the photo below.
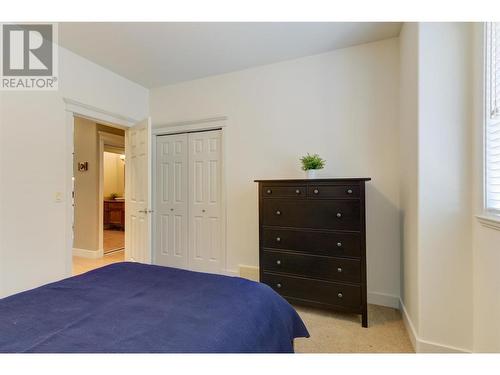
[{"x": 77, "y": 109}]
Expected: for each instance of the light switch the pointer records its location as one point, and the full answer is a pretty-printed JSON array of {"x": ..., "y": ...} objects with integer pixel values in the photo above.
[{"x": 58, "y": 197}]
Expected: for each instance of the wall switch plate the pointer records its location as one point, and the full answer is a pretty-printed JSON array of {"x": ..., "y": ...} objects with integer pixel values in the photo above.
[{"x": 58, "y": 197}]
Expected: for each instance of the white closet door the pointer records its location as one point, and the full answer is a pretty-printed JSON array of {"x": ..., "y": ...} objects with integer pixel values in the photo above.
[
  {"x": 206, "y": 248},
  {"x": 171, "y": 211}
]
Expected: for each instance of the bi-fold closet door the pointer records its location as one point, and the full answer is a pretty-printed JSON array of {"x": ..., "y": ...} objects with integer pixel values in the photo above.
[{"x": 188, "y": 212}]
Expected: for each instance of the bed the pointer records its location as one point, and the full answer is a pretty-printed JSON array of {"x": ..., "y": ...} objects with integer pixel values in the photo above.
[{"x": 138, "y": 308}]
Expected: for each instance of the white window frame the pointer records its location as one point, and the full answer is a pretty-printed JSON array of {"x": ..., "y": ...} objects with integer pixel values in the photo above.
[{"x": 488, "y": 121}]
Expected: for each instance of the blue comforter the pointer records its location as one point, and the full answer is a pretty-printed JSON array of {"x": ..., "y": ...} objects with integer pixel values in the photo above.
[{"x": 138, "y": 308}]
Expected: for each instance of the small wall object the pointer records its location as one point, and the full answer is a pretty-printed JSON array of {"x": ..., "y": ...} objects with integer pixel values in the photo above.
[{"x": 83, "y": 166}]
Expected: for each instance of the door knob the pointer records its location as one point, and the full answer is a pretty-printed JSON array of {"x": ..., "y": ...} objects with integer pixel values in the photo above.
[
  {"x": 278, "y": 212},
  {"x": 339, "y": 215}
]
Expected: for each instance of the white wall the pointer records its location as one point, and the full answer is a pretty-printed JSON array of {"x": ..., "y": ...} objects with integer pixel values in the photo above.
[
  {"x": 445, "y": 175},
  {"x": 33, "y": 167},
  {"x": 436, "y": 187},
  {"x": 342, "y": 105},
  {"x": 408, "y": 161}
]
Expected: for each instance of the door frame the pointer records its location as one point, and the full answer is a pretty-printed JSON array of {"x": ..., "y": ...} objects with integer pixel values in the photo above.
[
  {"x": 110, "y": 140},
  {"x": 74, "y": 109},
  {"x": 191, "y": 126}
]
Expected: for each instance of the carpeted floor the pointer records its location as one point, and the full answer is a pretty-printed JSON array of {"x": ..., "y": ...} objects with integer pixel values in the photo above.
[{"x": 333, "y": 332}]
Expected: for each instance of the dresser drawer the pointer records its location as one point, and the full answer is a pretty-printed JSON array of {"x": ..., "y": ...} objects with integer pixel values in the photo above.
[
  {"x": 313, "y": 266},
  {"x": 325, "y": 292},
  {"x": 313, "y": 242},
  {"x": 288, "y": 191},
  {"x": 318, "y": 214},
  {"x": 333, "y": 191}
]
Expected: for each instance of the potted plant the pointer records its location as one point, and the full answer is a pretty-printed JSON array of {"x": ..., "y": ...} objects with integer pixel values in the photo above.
[
  {"x": 113, "y": 196},
  {"x": 311, "y": 163}
]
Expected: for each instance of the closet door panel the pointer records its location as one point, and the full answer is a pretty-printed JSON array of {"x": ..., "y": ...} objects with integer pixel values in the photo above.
[
  {"x": 206, "y": 250},
  {"x": 171, "y": 211}
]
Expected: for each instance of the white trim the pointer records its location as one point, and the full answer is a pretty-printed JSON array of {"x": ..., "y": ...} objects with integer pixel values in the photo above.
[
  {"x": 489, "y": 220},
  {"x": 206, "y": 124},
  {"x": 190, "y": 125},
  {"x": 110, "y": 140},
  {"x": 383, "y": 299},
  {"x": 423, "y": 346},
  {"x": 85, "y": 253},
  {"x": 410, "y": 328},
  {"x": 74, "y": 108},
  {"x": 101, "y": 115}
]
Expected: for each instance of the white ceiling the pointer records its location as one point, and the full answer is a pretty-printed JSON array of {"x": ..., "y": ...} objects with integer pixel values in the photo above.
[{"x": 157, "y": 54}]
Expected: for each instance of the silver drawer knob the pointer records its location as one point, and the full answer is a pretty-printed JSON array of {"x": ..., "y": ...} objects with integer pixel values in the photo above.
[
  {"x": 339, "y": 244},
  {"x": 339, "y": 215},
  {"x": 278, "y": 262},
  {"x": 269, "y": 191},
  {"x": 278, "y": 285},
  {"x": 278, "y": 239},
  {"x": 339, "y": 270},
  {"x": 297, "y": 191},
  {"x": 349, "y": 191},
  {"x": 340, "y": 295},
  {"x": 315, "y": 191},
  {"x": 278, "y": 212}
]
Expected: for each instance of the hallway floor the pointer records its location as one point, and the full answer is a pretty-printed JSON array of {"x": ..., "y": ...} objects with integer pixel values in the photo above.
[
  {"x": 82, "y": 265},
  {"x": 113, "y": 240}
]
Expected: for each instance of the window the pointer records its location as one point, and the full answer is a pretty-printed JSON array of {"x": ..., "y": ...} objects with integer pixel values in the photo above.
[{"x": 492, "y": 131}]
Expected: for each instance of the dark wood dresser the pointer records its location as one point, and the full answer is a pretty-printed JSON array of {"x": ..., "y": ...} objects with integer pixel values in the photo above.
[
  {"x": 114, "y": 214},
  {"x": 313, "y": 242}
]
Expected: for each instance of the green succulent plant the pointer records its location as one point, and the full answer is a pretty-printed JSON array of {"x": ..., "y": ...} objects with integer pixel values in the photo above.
[
  {"x": 312, "y": 162},
  {"x": 113, "y": 196}
]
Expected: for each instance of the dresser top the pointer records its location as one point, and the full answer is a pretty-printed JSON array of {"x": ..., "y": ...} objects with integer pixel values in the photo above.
[{"x": 332, "y": 179}]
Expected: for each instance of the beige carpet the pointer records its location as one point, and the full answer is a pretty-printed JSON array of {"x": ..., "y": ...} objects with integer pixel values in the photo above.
[{"x": 333, "y": 332}]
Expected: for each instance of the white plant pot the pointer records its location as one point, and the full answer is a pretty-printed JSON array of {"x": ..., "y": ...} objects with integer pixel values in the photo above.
[{"x": 311, "y": 173}]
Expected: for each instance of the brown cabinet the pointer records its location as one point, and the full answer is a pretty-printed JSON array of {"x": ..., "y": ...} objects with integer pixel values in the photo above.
[
  {"x": 313, "y": 242},
  {"x": 114, "y": 214}
]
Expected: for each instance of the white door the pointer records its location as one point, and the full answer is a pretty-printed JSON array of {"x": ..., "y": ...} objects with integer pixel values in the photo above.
[
  {"x": 171, "y": 209},
  {"x": 137, "y": 197},
  {"x": 206, "y": 248}
]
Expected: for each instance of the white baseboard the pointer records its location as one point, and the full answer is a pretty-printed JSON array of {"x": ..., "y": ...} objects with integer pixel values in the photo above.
[
  {"x": 249, "y": 272},
  {"x": 85, "y": 253},
  {"x": 423, "y": 346},
  {"x": 383, "y": 299}
]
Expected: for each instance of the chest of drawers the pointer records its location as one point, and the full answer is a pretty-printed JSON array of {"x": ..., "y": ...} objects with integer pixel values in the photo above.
[{"x": 312, "y": 247}]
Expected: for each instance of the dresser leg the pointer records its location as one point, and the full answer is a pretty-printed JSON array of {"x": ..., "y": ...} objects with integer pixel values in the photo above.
[{"x": 364, "y": 319}]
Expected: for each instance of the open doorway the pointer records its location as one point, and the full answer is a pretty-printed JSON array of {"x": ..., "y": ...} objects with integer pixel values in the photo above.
[{"x": 98, "y": 195}]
